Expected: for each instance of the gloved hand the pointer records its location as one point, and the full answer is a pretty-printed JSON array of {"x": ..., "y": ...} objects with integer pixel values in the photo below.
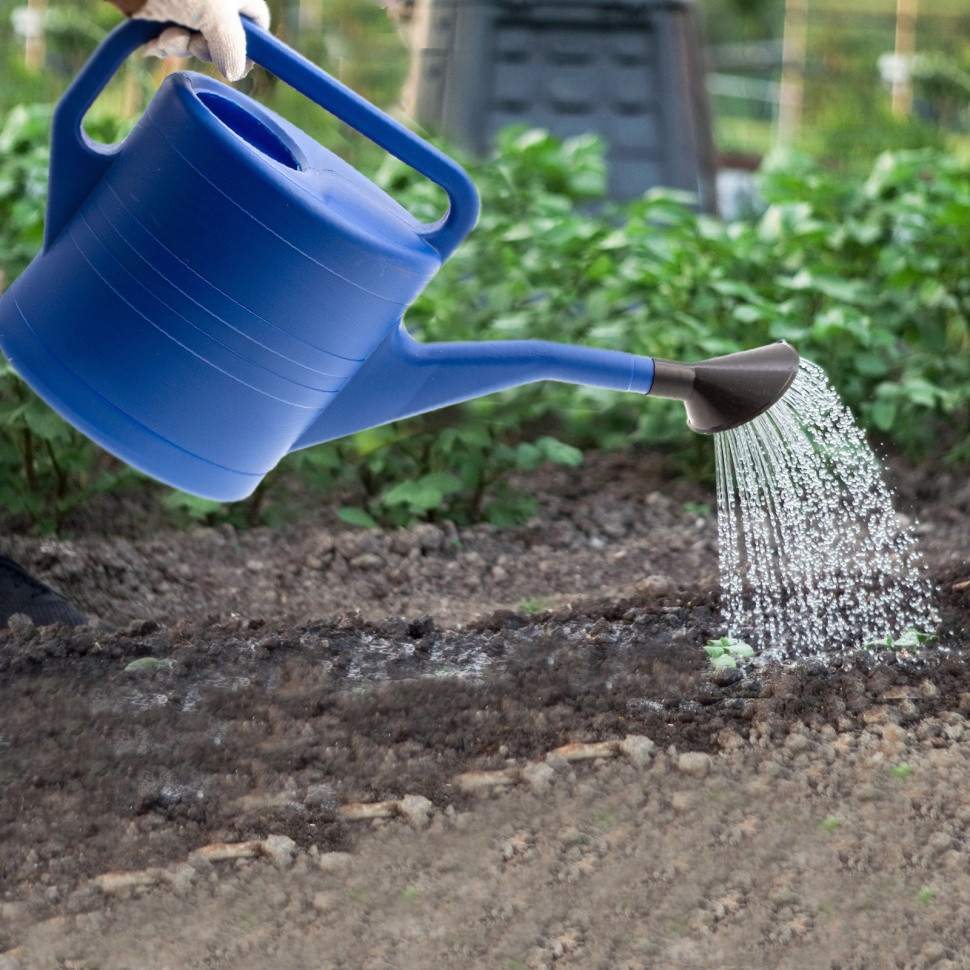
[{"x": 214, "y": 32}]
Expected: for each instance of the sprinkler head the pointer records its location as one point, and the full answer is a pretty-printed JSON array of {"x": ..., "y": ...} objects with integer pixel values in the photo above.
[{"x": 725, "y": 392}]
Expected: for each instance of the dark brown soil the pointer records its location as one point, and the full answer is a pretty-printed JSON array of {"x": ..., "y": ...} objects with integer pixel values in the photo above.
[{"x": 258, "y": 681}]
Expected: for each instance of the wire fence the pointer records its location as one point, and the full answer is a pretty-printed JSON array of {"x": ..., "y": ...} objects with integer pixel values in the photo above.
[{"x": 849, "y": 75}]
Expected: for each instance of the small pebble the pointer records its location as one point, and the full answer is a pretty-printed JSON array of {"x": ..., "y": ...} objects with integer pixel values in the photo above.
[{"x": 695, "y": 763}]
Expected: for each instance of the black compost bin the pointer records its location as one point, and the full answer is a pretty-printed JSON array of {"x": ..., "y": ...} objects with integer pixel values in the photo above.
[{"x": 629, "y": 70}]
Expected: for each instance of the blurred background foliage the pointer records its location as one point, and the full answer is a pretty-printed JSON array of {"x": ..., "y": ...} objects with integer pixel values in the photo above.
[
  {"x": 845, "y": 114},
  {"x": 854, "y": 248}
]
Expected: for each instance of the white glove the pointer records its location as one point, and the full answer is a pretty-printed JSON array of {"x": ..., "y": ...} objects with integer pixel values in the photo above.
[{"x": 214, "y": 31}]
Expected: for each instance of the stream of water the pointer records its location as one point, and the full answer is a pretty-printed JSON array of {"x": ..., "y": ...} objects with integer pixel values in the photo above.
[{"x": 813, "y": 556}]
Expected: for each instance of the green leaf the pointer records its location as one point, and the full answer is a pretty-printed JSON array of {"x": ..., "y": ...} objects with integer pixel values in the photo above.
[
  {"x": 726, "y": 651},
  {"x": 841, "y": 320},
  {"x": 883, "y": 414},
  {"x": 427, "y": 492},
  {"x": 847, "y": 291},
  {"x": 196, "y": 507},
  {"x": 358, "y": 517},
  {"x": 560, "y": 453},
  {"x": 147, "y": 665},
  {"x": 528, "y": 456},
  {"x": 45, "y": 423},
  {"x": 871, "y": 365},
  {"x": 909, "y": 639},
  {"x": 511, "y": 511}
]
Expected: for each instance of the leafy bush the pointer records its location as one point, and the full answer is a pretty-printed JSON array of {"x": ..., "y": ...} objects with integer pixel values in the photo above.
[
  {"x": 24, "y": 155},
  {"x": 46, "y": 467},
  {"x": 458, "y": 473},
  {"x": 865, "y": 276}
]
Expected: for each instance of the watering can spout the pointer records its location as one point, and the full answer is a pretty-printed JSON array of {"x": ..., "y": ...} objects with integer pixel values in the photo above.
[
  {"x": 404, "y": 377},
  {"x": 725, "y": 392}
]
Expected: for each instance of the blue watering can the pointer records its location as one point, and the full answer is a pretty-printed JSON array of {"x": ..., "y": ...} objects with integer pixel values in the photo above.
[{"x": 203, "y": 363}]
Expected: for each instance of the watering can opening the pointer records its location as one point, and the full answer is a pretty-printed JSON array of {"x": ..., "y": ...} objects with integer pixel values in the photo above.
[{"x": 254, "y": 131}]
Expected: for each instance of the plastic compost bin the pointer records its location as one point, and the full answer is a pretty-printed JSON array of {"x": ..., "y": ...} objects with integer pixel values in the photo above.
[{"x": 629, "y": 70}]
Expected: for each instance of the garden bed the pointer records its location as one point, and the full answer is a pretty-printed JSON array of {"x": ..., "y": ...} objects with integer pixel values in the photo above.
[{"x": 480, "y": 748}]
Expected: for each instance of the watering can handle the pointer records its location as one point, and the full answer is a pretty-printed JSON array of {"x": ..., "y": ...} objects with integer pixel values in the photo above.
[
  {"x": 78, "y": 162},
  {"x": 345, "y": 104}
]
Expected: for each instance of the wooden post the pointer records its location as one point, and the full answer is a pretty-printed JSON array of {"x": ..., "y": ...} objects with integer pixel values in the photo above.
[
  {"x": 416, "y": 32},
  {"x": 311, "y": 16},
  {"x": 905, "y": 47},
  {"x": 792, "y": 90},
  {"x": 35, "y": 47}
]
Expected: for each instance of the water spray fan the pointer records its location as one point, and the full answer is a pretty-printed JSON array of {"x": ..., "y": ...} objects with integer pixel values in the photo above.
[{"x": 204, "y": 364}]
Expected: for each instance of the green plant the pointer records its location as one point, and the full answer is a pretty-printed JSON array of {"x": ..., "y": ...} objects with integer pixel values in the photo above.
[
  {"x": 24, "y": 160},
  {"x": 24, "y": 156},
  {"x": 458, "y": 473},
  {"x": 410, "y": 894},
  {"x": 195, "y": 509},
  {"x": 46, "y": 467},
  {"x": 726, "y": 652},
  {"x": 700, "y": 509},
  {"x": 909, "y": 639},
  {"x": 830, "y": 824},
  {"x": 148, "y": 665},
  {"x": 532, "y": 604},
  {"x": 925, "y": 895},
  {"x": 604, "y": 820},
  {"x": 902, "y": 771},
  {"x": 863, "y": 275},
  {"x": 866, "y": 276}
]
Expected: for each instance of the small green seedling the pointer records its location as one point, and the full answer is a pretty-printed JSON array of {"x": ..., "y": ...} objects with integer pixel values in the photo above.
[
  {"x": 830, "y": 824},
  {"x": 902, "y": 771},
  {"x": 148, "y": 665},
  {"x": 909, "y": 639},
  {"x": 700, "y": 510},
  {"x": 531, "y": 605},
  {"x": 604, "y": 820},
  {"x": 726, "y": 652},
  {"x": 925, "y": 895}
]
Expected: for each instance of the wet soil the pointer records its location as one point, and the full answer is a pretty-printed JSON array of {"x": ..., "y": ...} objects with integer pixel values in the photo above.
[{"x": 320, "y": 747}]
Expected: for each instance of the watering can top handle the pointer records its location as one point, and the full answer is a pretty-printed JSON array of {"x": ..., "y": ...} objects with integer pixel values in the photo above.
[
  {"x": 82, "y": 162},
  {"x": 345, "y": 104}
]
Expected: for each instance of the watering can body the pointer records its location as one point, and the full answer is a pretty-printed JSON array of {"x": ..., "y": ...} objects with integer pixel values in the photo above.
[
  {"x": 218, "y": 289},
  {"x": 208, "y": 286}
]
